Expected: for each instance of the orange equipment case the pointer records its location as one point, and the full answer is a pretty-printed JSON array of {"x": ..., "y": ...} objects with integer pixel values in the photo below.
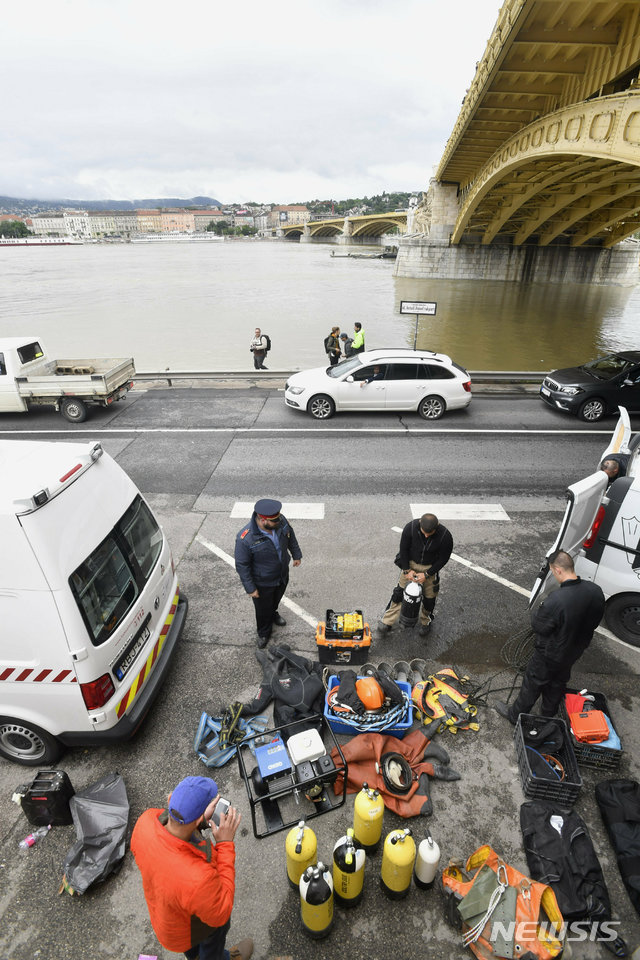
[{"x": 589, "y": 726}]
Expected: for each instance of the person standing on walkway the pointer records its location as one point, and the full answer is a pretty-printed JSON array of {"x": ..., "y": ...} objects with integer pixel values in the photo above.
[
  {"x": 563, "y": 625},
  {"x": 358, "y": 340},
  {"x": 347, "y": 345},
  {"x": 189, "y": 885},
  {"x": 258, "y": 347},
  {"x": 263, "y": 551},
  {"x": 332, "y": 346},
  {"x": 425, "y": 548}
]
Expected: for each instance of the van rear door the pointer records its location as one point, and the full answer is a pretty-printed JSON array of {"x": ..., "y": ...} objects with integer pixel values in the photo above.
[
  {"x": 584, "y": 499},
  {"x": 621, "y": 436}
]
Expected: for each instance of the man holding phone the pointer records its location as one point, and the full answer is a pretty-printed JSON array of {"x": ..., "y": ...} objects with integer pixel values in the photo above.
[{"x": 188, "y": 883}]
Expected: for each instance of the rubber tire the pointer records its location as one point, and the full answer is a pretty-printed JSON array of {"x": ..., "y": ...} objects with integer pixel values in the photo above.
[
  {"x": 321, "y": 407},
  {"x": 73, "y": 410},
  {"x": 35, "y": 747},
  {"x": 624, "y": 606},
  {"x": 585, "y": 410},
  {"x": 431, "y": 407}
]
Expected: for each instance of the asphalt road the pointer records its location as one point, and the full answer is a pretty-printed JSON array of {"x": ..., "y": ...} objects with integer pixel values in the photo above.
[{"x": 196, "y": 452}]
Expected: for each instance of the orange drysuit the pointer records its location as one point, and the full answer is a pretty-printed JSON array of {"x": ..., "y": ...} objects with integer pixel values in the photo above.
[{"x": 189, "y": 889}]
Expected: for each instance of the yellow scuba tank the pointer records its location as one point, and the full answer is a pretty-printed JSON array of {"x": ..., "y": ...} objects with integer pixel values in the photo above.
[
  {"x": 348, "y": 870},
  {"x": 368, "y": 810},
  {"x": 300, "y": 847},
  {"x": 398, "y": 858},
  {"x": 316, "y": 901},
  {"x": 427, "y": 863}
]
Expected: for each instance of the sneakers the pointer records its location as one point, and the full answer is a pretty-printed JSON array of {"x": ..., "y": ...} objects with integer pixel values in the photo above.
[
  {"x": 242, "y": 950},
  {"x": 504, "y": 710},
  {"x": 279, "y": 621}
]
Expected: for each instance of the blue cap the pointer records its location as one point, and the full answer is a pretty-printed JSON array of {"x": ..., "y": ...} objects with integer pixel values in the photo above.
[
  {"x": 191, "y": 798},
  {"x": 268, "y": 508}
]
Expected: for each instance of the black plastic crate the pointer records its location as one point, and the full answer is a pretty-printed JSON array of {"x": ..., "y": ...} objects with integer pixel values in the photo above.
[
  {"x": 565, "y": 792},
  {"x": 593, "y": 754}
]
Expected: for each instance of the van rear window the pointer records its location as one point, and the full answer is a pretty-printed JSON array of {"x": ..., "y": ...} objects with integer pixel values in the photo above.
[
  {"x": 110, "y": 580},
  {"x": 29, "y": 352}
]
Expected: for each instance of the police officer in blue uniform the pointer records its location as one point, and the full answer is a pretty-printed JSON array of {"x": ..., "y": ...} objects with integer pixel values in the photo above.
[{"x": 263, "y": 551}]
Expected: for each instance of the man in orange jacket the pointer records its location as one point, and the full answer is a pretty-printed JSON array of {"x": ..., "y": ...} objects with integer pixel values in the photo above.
[{"x": 188, "y": 884}]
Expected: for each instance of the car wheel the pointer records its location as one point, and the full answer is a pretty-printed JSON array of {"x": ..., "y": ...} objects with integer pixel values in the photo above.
[
  {"x": 622, "y": 616},
  {"x": 321, "y": 407},
  {"x": 23, "y": 742},
  {"x": 592, "y": 410},
  {"x": 431, "y": 408},
  {"x": 73, "y": 410}
]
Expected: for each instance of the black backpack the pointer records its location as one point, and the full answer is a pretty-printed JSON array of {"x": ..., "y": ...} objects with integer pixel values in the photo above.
[
  {"x": 326, "y": 342},
  {"x": 268, "y": 339}
]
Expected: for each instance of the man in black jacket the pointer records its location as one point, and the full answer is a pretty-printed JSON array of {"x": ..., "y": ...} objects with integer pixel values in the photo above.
[
  {"x": 263, "y": 551},
  {"x": 563, "y": 625},
  {"x": 425, "y": 547}
]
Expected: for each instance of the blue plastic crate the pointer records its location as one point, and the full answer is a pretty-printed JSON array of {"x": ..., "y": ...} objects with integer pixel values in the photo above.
[{"x": 399, "y": 730}]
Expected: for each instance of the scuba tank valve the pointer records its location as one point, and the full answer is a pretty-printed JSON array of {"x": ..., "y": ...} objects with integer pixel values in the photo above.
[
  {"x": 427, "y": 863},
  {"x": 316, "y": 901},
  {"x": 348, "y": 870},
  {"x": 300, "y": 847},
  {"x": 398, "y": 858},
  {"x": 368, "y": 810}
]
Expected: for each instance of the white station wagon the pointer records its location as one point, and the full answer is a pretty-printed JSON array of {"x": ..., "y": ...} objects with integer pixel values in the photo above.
[{"x": 384, "y": 379}]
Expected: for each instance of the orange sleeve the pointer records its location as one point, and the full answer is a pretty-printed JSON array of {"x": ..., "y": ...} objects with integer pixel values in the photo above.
[{"x": 213, "y": 898}]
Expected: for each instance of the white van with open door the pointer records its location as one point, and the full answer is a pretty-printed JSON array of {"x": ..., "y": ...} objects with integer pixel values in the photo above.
[
  {"x": 90, "y": 609},
  {"x": 601, "y": 531}
]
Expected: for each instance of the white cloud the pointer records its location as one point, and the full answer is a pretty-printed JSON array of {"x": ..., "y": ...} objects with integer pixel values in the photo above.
[{"x": 282, "y": 101}]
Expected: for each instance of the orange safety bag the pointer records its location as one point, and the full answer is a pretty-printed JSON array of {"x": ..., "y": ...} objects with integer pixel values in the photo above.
[{"x": 502, "y": 912}]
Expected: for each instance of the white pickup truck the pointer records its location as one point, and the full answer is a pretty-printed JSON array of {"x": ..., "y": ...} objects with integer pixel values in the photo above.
[{"x": 29, "y": 378}]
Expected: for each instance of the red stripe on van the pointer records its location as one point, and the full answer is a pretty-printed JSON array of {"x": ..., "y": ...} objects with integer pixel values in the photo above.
[
  {"x": 61, "y": 676},
  {"x": 41, "y": 676},
  {"x": 23, "y": 675},
  {"x": 6, "y": 673}
]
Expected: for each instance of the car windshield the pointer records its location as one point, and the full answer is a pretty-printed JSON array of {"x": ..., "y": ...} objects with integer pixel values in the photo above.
[
  {"x": 605, "y": 368},
  {"x": 345, "y": 366}
]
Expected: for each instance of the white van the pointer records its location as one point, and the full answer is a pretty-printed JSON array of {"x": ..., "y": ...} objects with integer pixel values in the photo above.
[
  {"x": 601, "y": 531},
  {"x": 90, "y": 610}
]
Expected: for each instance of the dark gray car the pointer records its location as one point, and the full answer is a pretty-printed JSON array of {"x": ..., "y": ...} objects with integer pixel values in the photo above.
[{"x": 597, "y": 388}]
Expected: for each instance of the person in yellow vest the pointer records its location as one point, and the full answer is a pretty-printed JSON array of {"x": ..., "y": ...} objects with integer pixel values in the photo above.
[{"x": 358, "y": 340}]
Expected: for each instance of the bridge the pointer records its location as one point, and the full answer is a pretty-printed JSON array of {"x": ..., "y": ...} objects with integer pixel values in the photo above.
[
  {"x": 540, "y": 178},
  {"x": 361, "y": 228}
]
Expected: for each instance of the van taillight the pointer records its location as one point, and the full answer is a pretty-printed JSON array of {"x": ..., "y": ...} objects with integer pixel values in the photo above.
[
  {"x": 467, "y": 385},
  {"x": 98, "y": 692},
  {"x": 593, "y": 533}
]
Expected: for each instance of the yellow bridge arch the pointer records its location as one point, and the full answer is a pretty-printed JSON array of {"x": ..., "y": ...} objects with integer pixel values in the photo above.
[
  {"x": 574, "y": 175},
  {"x": 364, "y": 225}
]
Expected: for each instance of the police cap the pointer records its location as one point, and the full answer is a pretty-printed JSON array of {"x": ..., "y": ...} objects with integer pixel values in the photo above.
[{"x": 268, "y": 508}]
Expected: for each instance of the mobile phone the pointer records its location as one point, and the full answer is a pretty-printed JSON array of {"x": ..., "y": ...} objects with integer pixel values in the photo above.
[{"x": 221, "y": 808}]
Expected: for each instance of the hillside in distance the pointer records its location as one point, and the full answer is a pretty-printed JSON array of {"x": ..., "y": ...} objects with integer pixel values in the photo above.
[{"x": 25, "y": 206}]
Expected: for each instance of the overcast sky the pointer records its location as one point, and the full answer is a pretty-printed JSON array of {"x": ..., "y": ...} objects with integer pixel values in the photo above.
[{"x": 239, "y": 100}]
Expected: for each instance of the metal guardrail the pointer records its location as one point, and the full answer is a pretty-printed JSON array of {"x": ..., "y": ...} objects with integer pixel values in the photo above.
[{"x": 477, "y": 376}]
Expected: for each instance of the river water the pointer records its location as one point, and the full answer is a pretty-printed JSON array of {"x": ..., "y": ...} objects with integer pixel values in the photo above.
[{"x": 183, "y": 306}]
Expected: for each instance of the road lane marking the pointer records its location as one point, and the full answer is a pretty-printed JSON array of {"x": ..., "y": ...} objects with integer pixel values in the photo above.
[
  {"x": 460, "y": 511},
  {"x": 242, "y": 509},
  {"x": 603, "y": 631},
  {"x": 401, "y": 431},
  {"x": 290, "y": 604}
]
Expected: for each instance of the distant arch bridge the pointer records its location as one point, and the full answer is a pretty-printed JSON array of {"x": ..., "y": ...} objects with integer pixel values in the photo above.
[{"x": 367, "y": 225}]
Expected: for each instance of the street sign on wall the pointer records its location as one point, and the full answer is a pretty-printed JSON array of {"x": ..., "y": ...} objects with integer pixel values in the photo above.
[{"x": 426, "y": 308}]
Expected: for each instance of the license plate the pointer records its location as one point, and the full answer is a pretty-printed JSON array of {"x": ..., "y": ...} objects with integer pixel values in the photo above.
[
  {"x": 129, "y": 657},
  {"x": 546, "y": 392}
]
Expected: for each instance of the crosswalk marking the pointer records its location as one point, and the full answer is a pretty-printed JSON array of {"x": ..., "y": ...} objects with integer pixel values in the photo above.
[
  {"x": 292, "y": 511},
  {"x": 460, "y": 511}
]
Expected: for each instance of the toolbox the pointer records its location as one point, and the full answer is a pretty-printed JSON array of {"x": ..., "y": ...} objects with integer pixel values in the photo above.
[
  {"x": 343, "y": 638},
  {"x": 589, "y": 726},
  {"x": 46, "y": 800}
]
